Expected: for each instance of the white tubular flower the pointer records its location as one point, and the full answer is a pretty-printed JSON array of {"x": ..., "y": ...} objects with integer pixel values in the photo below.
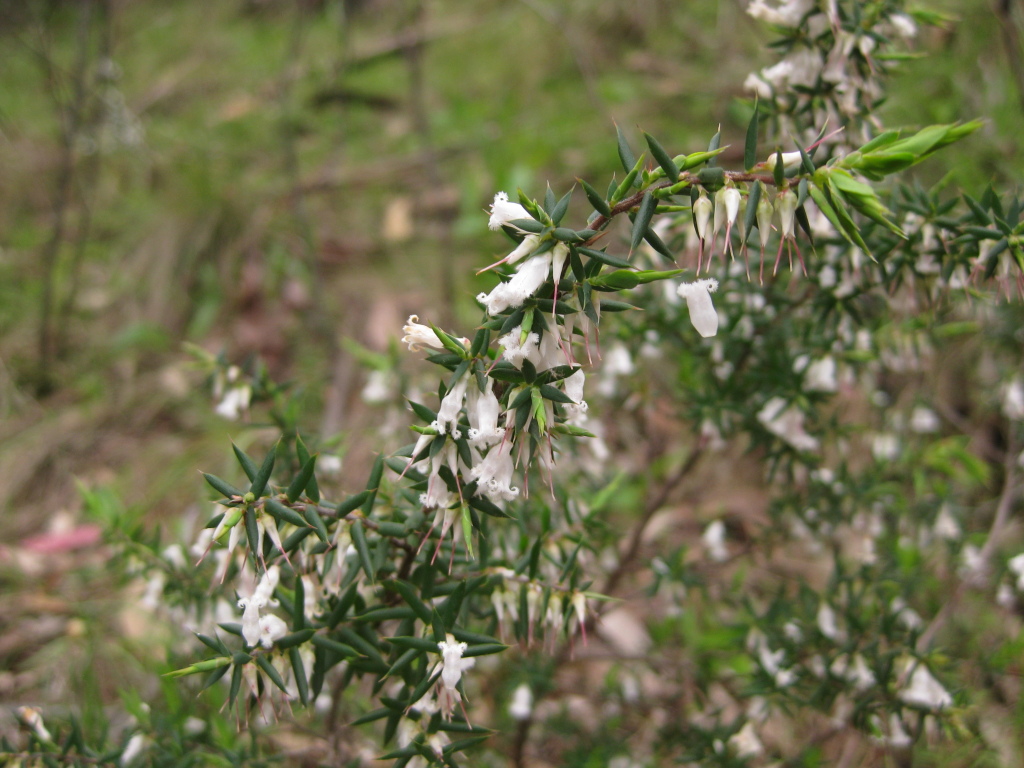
[
  {"x": 251, "y": 619},
  {"x": 418, "y": 335},
  {"x": 698, "y": 302},
  {"x": 765, "y": 209},
  {"x": 702, "y": 215},
  {"x": 503, "y": 211},
  {"x": 260, "y": 598},
  {"x": 786, "y": 423},
  {"x": 785, "y": 203},
  {"x": 727, "y": 207},
  {"x": 451, "y": 406},
  {"x": 494, "y": 474},
  {"x": 573, "y": 386},
  {"x": 272, "y": 628},
  {"x": 924, "y": 691},
  {"x": 789, "y": 160},
  {"x": 483, "y": 418},
  {"x": 515, "y": 347},
  {"x": 452, "y": 667},
  {"x": 530, "y": 275}
]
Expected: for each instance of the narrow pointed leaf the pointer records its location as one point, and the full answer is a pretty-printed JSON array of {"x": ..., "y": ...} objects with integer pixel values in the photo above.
[
  {"x": 750, "y": 145},
  {"x": 643, "y": 219},
  {"x": 663, "y": 158},
  {"x": 259, "y": 483},
  {"x": 626, "y": 156},
  {"x": 247, "y": 464},
  {"x": 301, "y": 480}
]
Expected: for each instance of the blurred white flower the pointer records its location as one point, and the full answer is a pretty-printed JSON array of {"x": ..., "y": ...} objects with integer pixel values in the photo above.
[
  {"x": 788, "y": 13},
  {"x": 133, "y": 749},
  {"x": 787, "y": 424},
  {"x": 745, "y": 742},
  {"x": 1016, "y": 566},
  {"x": 1013, "y": 399},
  {"x": 885, "y": 446},
  {"x": 924, "y": 421},
  {"x": 521, "y": 705},
  {"x": 946, "y": 527},
  {"x": 821, "y": 375},
  {"x": 714, "y": 542},
  {"x": 923, "y": 690}
]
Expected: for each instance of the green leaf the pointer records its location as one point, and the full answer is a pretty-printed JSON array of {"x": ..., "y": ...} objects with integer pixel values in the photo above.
[
  {"x": 408, "y": 593},
  {"x": 423, "y": 412},
  {"x": 561, "y": 207},
  {"x": 643, "y": 219},
  {"x": 750, "y": 145},
  {"x": 268, "y": 669},
  {"x": 658, "y": 245},
  {"x": 343, "y": 650},
  {"x": 625, "y": 153},
  {"x": 662, "y": 157},
  {"x": 594, "y": 198},
  {"x": 370, "y": 717},
  {"x": 713, "y": 146},
  {"x": 373, "y": 483},
  {"x": 253, "y": 536},
  {"x": 362, "y": 548},
  {"x": 301, "y": 480},
  {"x": 528, "y": 225},
  {"x": 619, "y": 280},
  {"x": 299, "y": 673},
  {"x": 283, "y": 514},
  {"x": 314, "y": 519},
  {"x": 200, "y": 666},
  {"x": 312, "y": 489},
  {"x": 554, "y": 394},
  {"x": 294, "y": 638},
  {"x": 247, "y": 464},
  {"x": 483, "y": 650},
  {"x": 627, "y": 183},
  {"x": 353, "y": 502},
  {"x": 222, "y": 486},
  {"x": 779, "y": 171},
  {"x": 259, "y": 483},
  {"x": 605, "y": 258},
  {"x": 467, "y": 531}
]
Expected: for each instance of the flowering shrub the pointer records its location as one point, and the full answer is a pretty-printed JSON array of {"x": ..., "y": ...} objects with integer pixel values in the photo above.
[{"x": 476, "y": 562}]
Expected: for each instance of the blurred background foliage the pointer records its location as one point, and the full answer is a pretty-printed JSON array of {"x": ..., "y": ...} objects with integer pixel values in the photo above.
[{"x": 266, "y": 179}]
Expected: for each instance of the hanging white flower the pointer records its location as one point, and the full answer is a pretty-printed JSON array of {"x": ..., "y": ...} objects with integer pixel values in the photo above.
[
  {"x": 452, "y": 667},
  {"x": 698, "y": 302},
  {"x": 529, "y": 276},
  {"x": 451, "y": 406}
]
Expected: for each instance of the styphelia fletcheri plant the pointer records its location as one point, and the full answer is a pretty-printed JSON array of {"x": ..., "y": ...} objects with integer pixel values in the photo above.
[{"x": 487, "y": 535}]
